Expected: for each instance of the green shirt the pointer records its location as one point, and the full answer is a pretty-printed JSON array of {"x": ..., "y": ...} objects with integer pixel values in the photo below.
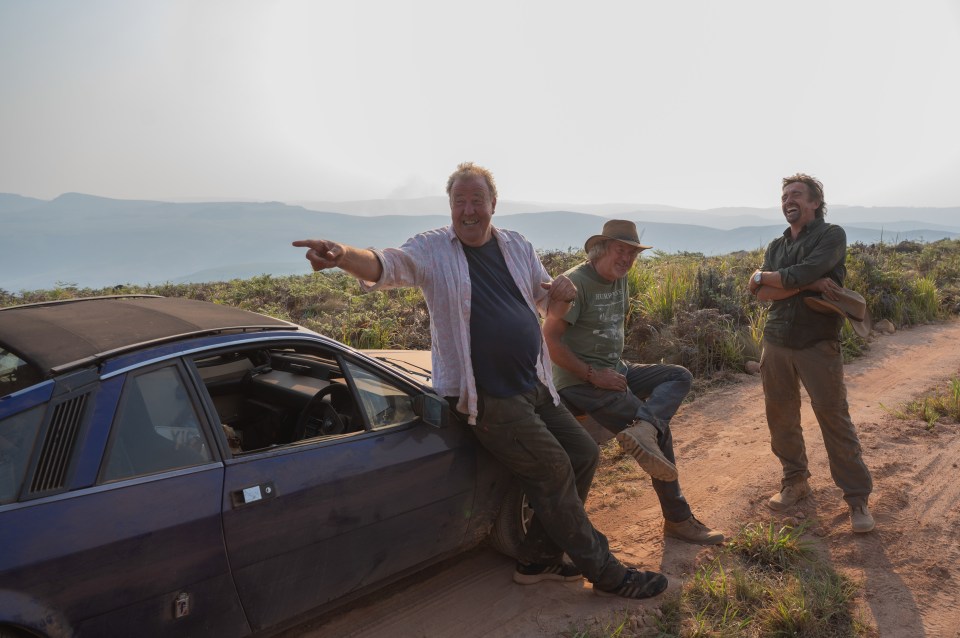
[
  {"x": 596, "y": 319},
  {"x": 820, "y": 250}
]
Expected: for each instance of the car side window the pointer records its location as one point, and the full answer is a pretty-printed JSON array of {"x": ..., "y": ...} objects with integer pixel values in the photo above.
[
  {"x": 17, "y": 436},
  {"x": 273, "y": 395},
  {"x": 383, "y": 403},
  {"x": 15, "y": 373},
  {"x": 156, "y": 428}
]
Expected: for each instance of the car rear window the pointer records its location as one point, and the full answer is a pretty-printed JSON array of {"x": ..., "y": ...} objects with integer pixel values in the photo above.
[
  {"x": 17, "y": 435},
  {"x": 15, "y": 373}
]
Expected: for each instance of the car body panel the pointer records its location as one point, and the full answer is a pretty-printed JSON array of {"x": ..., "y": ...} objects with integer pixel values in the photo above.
[
  {"x": 242, "y": 540},
  {"x": 100, "y": 571},
  {"x": 92, "y": 446},
  {"x": 26, "y": 399},
  {"x": 316, "y": 538}
]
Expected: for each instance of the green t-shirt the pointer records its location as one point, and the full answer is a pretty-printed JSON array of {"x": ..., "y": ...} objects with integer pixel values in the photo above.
[{"x": 596, "y": 319}]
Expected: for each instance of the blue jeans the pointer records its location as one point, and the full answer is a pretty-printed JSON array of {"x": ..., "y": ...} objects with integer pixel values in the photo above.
[
  {"x": 656, "y": 392},
  {"x": 554, "y": 459}
]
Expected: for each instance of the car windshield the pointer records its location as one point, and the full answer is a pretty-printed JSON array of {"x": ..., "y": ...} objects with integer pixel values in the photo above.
[
  {"x": 419, "y": 372},
  {"x": 15, "y": 373}
]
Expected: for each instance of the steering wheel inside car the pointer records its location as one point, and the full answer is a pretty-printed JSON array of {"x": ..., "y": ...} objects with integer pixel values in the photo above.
[{"x": 319, "y": 417}]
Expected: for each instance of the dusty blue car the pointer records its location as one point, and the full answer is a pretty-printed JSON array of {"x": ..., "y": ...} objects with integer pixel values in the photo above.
[{"x": 171, "y": 467}]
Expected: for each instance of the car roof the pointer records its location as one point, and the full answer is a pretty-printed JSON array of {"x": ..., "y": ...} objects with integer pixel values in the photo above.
[{"x": 62, "y": 335}]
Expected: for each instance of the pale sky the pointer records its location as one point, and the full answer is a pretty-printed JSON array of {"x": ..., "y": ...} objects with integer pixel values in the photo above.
[{"x": 697, "y": 104}]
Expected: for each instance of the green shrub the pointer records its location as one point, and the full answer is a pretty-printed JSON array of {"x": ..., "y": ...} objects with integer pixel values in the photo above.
[{"x": 684, "y": 308}]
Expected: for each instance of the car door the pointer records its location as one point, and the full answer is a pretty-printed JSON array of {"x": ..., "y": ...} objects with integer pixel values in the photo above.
[{"x": 314, "y": 520}]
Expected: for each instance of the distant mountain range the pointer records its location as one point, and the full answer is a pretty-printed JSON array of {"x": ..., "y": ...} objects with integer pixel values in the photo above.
[{"x": 97, "y": 242}]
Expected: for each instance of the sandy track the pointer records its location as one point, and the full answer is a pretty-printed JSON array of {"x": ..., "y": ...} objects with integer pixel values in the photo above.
[{"x": 909, "y": 566}]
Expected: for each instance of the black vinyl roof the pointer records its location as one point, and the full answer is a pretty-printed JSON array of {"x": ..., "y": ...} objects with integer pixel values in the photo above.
[{"x": 56, "y": 335}]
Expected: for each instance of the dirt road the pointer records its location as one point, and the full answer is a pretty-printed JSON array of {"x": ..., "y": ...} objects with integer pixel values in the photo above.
[{"x": 909, "y": 566}]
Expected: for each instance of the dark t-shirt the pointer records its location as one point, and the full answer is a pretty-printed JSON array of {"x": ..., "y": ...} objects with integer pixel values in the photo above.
[{"x": 504, "y": 331}]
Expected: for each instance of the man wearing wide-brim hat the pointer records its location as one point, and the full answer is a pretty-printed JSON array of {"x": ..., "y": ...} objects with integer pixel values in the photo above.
[
  {"x": 634, "y": 401},
  {"x": 802, "y": 274}
]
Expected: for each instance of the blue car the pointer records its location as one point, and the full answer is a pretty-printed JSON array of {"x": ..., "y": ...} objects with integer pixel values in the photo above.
[{"x": 171, "y": 467}]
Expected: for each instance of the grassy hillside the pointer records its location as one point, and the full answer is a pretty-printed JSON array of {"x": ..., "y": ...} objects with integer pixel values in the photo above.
[{"x": 686, "y": 308}]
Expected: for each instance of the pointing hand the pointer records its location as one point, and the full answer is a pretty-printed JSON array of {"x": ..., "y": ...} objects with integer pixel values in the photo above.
[{"x": 322, "y": 254}]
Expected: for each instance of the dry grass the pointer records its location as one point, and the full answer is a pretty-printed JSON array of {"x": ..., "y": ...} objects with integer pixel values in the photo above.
[{"x": 687, "y": 308}]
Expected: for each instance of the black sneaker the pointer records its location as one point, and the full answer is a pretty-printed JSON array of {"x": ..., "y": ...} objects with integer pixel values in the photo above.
[
  {"x": 636, "y": 584},
  {"x": 532, "y": 573}
]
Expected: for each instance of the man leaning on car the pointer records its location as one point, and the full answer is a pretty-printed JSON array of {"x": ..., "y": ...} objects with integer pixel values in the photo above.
[{"x": 484, "y": 287}]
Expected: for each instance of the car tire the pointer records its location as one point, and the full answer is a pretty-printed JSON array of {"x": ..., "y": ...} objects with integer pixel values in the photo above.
[{"x": 513, "y": 520}]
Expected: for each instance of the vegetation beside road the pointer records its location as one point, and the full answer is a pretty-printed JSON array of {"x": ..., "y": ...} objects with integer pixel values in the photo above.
[
  {"x": 936, "y": 406},
  {"x": 766, "y": 581},
  {"x": 686, "y": 308}
]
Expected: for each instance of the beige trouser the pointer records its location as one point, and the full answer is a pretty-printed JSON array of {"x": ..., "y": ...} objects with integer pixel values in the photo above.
[{"x": 820, "y": 369}]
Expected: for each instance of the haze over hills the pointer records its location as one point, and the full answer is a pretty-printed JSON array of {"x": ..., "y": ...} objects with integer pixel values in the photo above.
[
  {"x": 897, "y": 218},
  {"x": 97, "y": 242}
]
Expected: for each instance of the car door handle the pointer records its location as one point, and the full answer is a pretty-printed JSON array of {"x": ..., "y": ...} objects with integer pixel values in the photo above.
[{"x": 253, "y": 494}]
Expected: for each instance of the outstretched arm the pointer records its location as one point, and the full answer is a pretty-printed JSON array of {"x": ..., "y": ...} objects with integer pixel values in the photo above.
[{"x": 359, "y": 262}]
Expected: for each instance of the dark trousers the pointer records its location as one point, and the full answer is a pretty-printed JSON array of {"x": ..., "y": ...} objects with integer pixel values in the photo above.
[
  {"x": 555, "y": 460},
  {"x": 655, "y": 393},
  {"x": 820, "y": 369}
]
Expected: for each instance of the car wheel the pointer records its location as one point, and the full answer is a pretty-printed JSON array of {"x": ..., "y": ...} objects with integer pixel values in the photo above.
[{"x": 512, "y": 522}]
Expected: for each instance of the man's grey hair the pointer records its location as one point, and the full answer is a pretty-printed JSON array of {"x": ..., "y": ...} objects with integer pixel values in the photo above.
[
  {"x": 598, "y": 250},
  {"x": 469, "y": 168}
]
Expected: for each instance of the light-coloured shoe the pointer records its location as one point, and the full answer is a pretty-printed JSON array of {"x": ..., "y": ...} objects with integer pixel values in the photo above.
[
  {"x": 861, "y": 519},
  {"x": 639, "y": 440},
  {"x": 692, "y": 531},
  {"x": 789, "y": 496}
]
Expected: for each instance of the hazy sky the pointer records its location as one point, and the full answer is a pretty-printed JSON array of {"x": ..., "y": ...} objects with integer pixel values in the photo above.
[{"x": 697, "y": 103}]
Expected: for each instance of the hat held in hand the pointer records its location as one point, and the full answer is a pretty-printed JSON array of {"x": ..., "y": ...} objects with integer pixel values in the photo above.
[
  {"x": 850, "y": 304},
  {"x": 619, "y": 229}
]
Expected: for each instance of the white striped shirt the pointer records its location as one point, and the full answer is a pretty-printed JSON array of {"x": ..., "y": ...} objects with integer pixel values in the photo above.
[{"x": 434, "y": 261}]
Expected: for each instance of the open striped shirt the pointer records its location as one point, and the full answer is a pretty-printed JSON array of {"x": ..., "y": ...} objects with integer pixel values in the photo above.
[{"x": 435, "y": 262}]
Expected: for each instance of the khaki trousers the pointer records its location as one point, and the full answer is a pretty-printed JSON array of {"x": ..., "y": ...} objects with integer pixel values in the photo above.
[{"x": 820, "y": 369}]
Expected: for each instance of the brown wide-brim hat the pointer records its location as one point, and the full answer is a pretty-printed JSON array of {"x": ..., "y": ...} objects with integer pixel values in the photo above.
[
  {"x": 619, "y": 229},
  {"x": 850, "y": 305}
]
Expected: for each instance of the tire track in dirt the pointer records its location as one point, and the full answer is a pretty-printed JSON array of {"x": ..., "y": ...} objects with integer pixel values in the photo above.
[
  {"x": 925, "y": 517},
  {"x": 909, "y": 565}
]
